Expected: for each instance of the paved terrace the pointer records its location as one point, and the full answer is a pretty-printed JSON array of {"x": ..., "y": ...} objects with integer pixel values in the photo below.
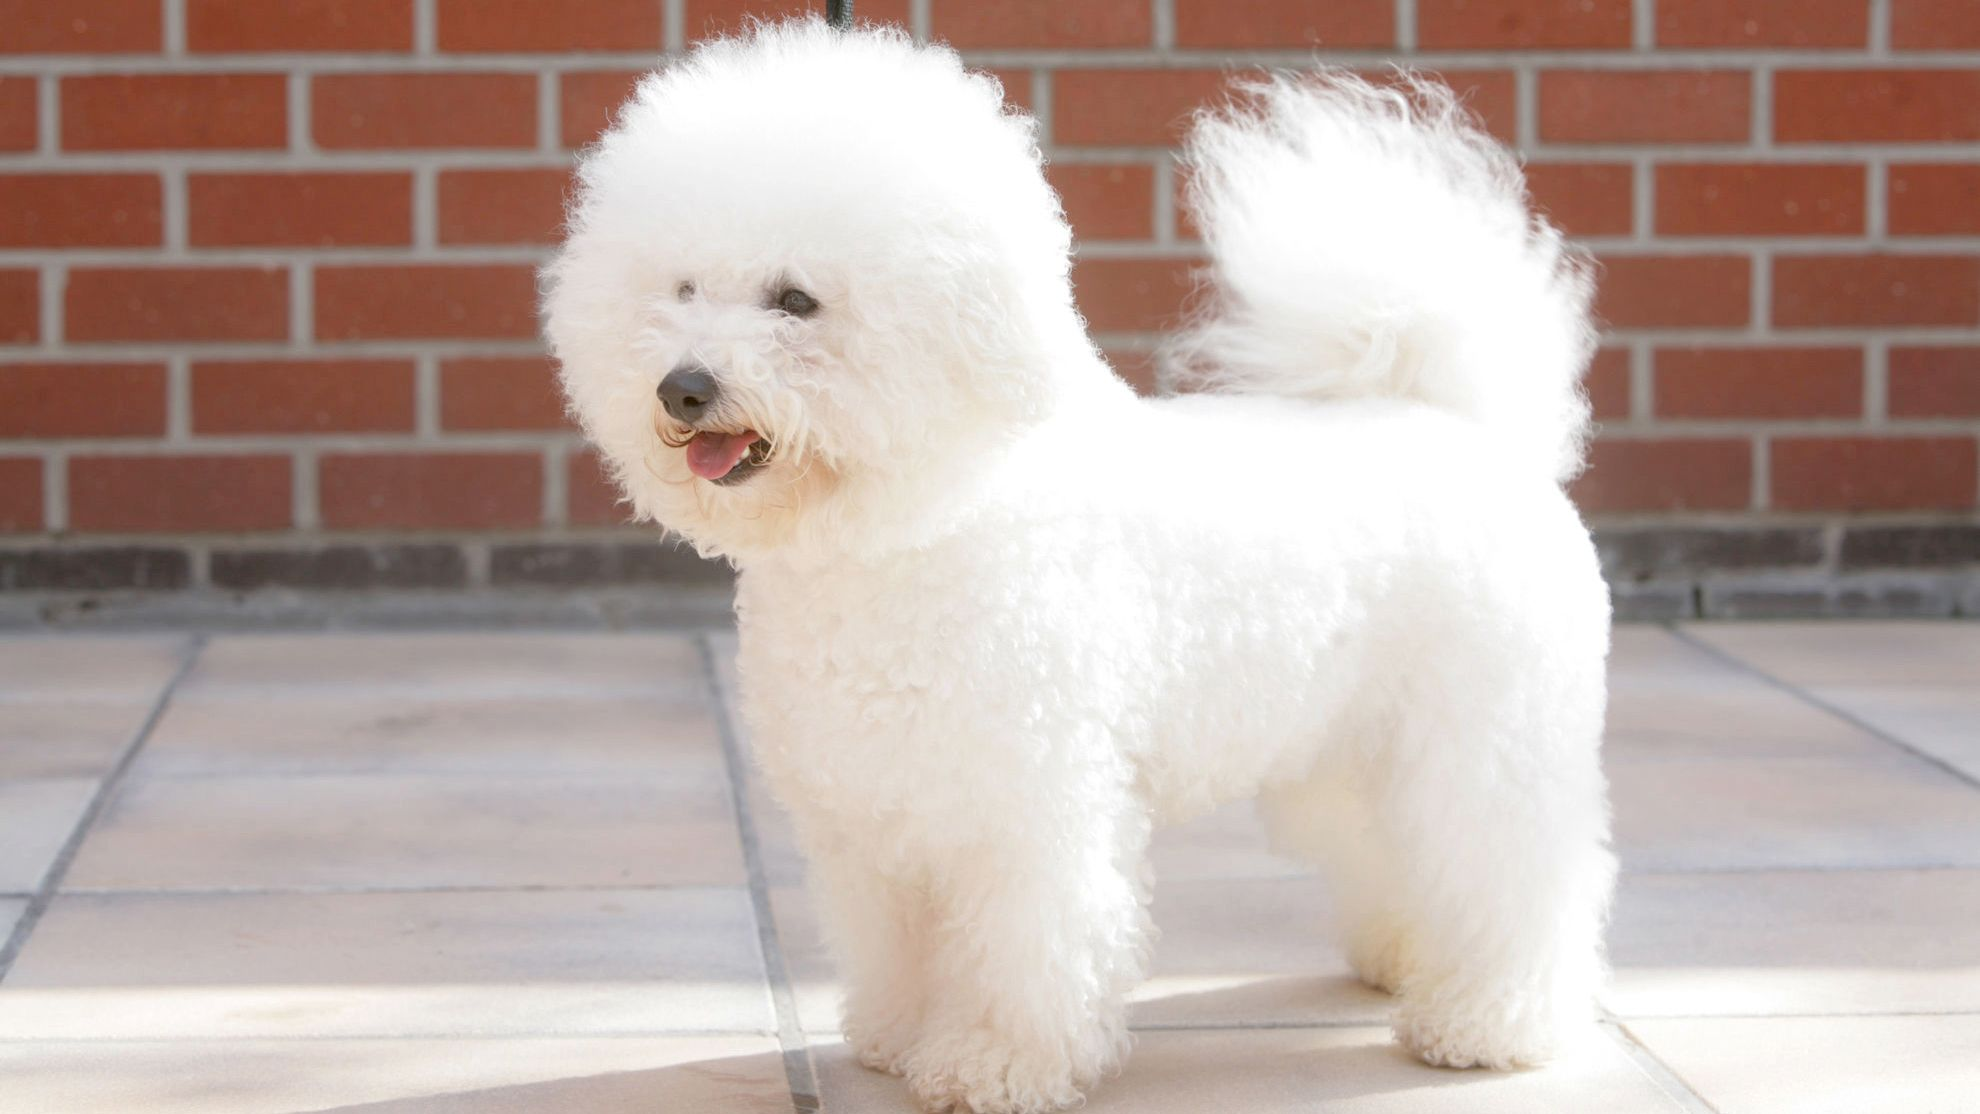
[{"x": 525, "y": 872}]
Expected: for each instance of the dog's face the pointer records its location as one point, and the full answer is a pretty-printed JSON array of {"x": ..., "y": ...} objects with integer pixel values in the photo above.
[{"x": 808, "y": 275}]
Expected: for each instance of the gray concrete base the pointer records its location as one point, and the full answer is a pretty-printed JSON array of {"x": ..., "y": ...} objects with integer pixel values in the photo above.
[
  {"x": 578, "y": 609},
  {"x": 614, "y": 579}
]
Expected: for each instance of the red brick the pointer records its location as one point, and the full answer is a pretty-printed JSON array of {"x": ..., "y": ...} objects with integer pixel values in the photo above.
[
  {"x": 1130, "y": 295},
  {"x": 391, "y": 111},
  {"x": 300, "y": 209},
  {"x": 1764, "y": 199},
  {"x": 590, "y": 497},
  {"x": 179, "y": 493},
  {"x": 82, "y": 400},
  {"x": 432, "y": 300},
  {"x": 79, "y": 210},
  {"x": 502, "y": 206},
  {"x": 1817, "y": 290},
  {"x": 1650, "y": 291},
  {"x": 1107, "y": 201},
  {"x": 708, "y": 18},
  {"x": 161, "y": 112},
  {"x": 452, "y": 491},
  {"x": 1759, "y": 383},
  {"x": 1585, "y": 198},
  {"x": 500, "y": 393},
  {"x": 1134, "y": 366},
  {"x": 20, "y": 306},
  {"x": 1186, "y": 226},
  {"x": 177, "y": 303},
  {"x": 81, "y": 26},
  {"x": 1705, "y": 474},
  {"x": 19, "y": 129},
  {"x": 1873, "y": 473},
  {"x": 1522, "y": 24},
  {"x": 1491, "y": 95},
  {"x": 302, "y": 396},
  {"x": 1152, "y": 108},
  {"x": 298, "y": 26},
  {"x": 1607, "y": 384},
  {"x": 1929, "y": 200},
  {"x": 548, "y": 26},
  {"x": 1113, "y": 108},
  {"x": 20, "y": 495},
  {"x": 1335, "y": 25},
  {"x": 1018, "y": 91},
  {"x": 588, "y": 99},
  {"x": 1646, "y": 106},
  {"x": 1876, "y": 106},
  {"x": 1935, "y": 25},
  {"x": 1065, "y": 23},
  {"x": 1763, "y": 23},
  {"x": 1937, "y": 382}
]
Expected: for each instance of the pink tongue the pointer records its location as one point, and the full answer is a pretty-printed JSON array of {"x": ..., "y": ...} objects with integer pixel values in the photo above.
[{"x": 712, "y": 455}]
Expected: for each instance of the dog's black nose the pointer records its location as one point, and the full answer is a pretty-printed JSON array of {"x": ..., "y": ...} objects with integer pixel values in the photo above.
[{"x": 688, "y": 391}]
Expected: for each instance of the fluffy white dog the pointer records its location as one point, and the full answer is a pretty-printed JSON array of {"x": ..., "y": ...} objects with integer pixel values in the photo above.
[{"x": 999, "y": 616}]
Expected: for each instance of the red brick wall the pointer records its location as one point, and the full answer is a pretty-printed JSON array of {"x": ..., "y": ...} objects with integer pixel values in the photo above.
[{"x": 265, "y": 265}]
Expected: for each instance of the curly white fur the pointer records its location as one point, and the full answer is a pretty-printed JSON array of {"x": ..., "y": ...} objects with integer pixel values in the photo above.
[
  {"x": 999, "y": 616},
  {"x": 1373, "y": 242}
]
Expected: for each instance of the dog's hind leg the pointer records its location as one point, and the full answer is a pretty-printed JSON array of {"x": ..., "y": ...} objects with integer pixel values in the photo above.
[
  {"x": 1325, "y": 819},
  {"x": 1498, "y": 817}
]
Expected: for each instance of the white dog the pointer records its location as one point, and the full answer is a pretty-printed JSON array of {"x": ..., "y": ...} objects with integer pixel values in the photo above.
[{"x": 999, "y": 616}]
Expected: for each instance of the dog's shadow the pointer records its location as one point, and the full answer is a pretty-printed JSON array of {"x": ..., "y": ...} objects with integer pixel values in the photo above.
[
  {"x": 1214, "y": 1065},
  {"x": 753, "y": 1084},
  {"x": 1202, "y": 1070},
  {"x": 1207, "y": 1063}
]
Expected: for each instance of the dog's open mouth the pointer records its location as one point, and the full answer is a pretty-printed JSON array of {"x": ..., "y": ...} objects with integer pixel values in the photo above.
[{"x": 726, "y": 458}]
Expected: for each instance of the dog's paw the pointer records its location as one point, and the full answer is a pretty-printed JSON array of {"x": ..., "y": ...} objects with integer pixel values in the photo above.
[
  {"x": 886, "y": 1052},
  {"x": 881, "y": 1040},
  {"x": 1379, "y": 957},
  {"x": 979, "y": 1073},
  {"x": 1494, "y": 1034}
]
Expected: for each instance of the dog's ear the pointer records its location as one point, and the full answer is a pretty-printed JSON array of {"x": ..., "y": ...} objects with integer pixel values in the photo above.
[
  {"x": 955, "y": 330},
  {"x": 1002, "y": 350},
  {"x": 1014, "y": 330}
]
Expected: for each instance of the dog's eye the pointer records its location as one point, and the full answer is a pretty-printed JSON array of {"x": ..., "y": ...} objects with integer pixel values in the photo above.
[
  {"x": 684, "y": 291},
  {"x": 796, "y": 302}
]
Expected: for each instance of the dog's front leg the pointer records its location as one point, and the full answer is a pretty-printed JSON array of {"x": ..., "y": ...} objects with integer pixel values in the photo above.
[
  {"x": 1040, "y": 932},
  {"x": 878, "y": 931}
]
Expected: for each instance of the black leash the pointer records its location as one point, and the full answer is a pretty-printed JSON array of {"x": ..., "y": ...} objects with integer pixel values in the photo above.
[{"x": 839, "y": 13}]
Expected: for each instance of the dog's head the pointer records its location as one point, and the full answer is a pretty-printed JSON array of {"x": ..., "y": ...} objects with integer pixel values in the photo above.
[{"x": 808, "y": 275}]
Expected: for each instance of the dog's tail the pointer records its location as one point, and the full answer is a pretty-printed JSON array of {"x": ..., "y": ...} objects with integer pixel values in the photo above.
[{"x": 1371, "y": 242}]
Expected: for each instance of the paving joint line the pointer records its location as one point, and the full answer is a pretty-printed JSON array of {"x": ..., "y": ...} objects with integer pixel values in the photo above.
[
  {"x": 1384, "y": 1022},
  {"x": 791, "y": 1039},
  {"x": 65, "y": 856},
  {"x": 442, "y": 890},
  {"x": 1802, "y": 868},
  {"x": 1801, "y": 1016},
  {"x": 1820, "y": 704},
  {"x": 332, "y": 1038},
  {"x": 1650, "y": 1064}
]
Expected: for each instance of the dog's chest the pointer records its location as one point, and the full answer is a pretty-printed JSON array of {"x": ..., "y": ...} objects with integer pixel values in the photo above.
[{"x": 840, "y": 679}]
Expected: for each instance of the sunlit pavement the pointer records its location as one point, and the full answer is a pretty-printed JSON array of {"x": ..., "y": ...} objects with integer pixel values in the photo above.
[{"x": 514, "y": 872}]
